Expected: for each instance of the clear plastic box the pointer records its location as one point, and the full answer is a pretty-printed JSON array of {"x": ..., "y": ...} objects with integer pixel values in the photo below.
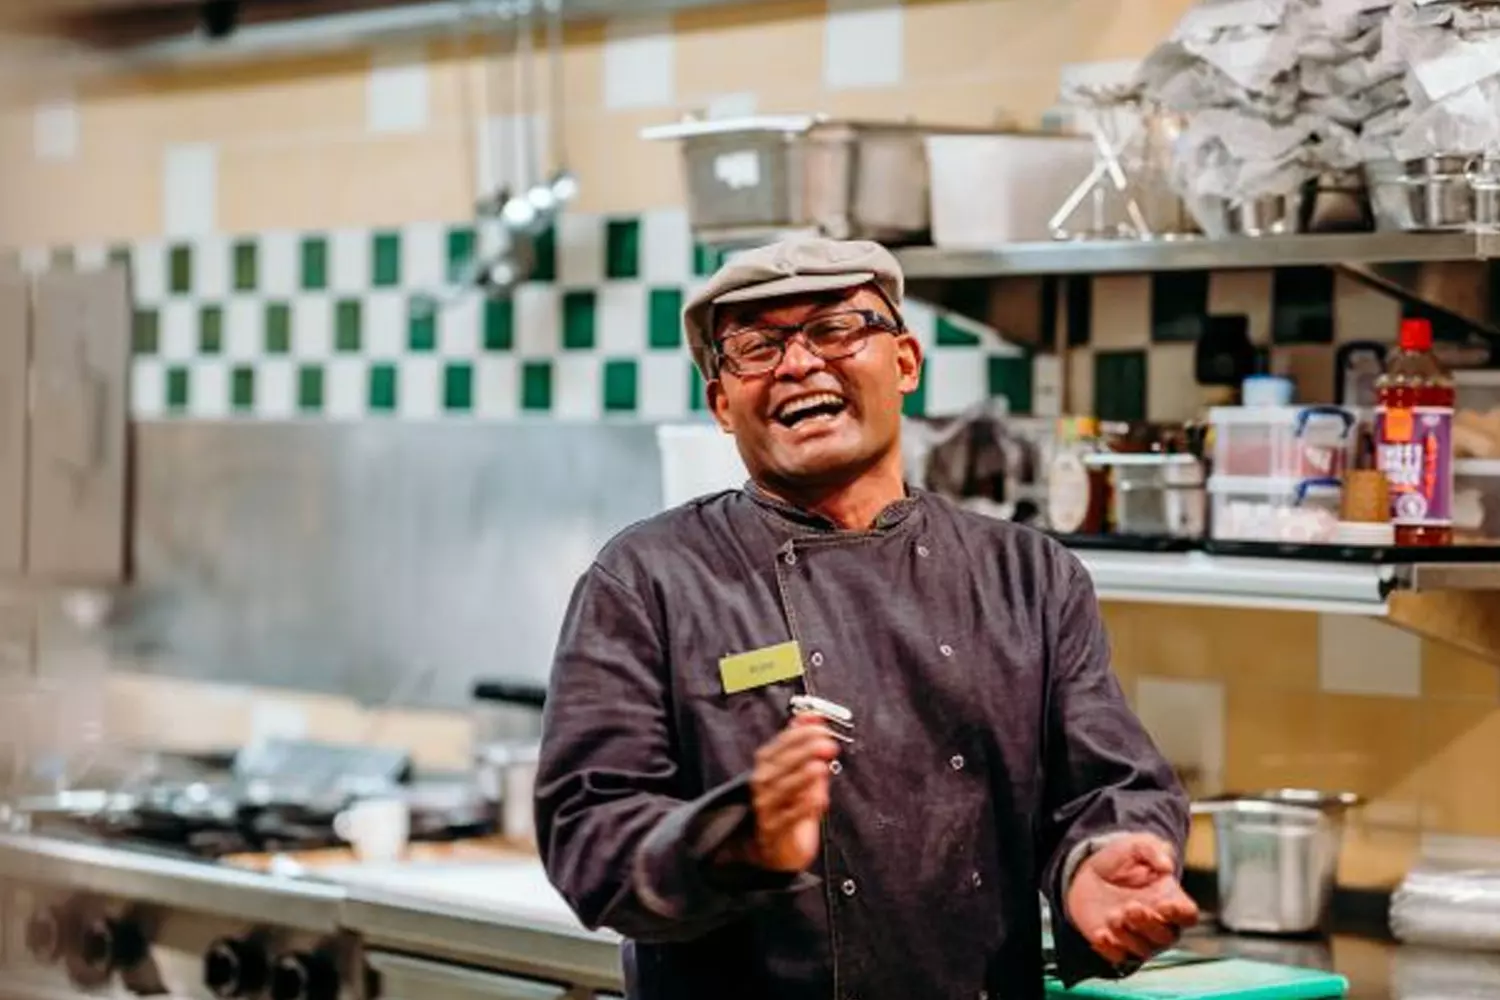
[
  {"x": 1283, "y": 442},
  {"x": 1251, "y": 509}
]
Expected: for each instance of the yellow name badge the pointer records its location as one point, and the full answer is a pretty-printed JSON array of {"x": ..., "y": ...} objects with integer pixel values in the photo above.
[{"x": 760, "y": 667}]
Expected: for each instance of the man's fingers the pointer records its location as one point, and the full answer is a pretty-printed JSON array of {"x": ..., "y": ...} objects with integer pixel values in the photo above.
[
  {"x": 811, "y": 804},
  {"x": 1177, "y": 908},
  {"x": 780, "y": 791},
  {"x": 1155, "y": 853},
  {"x": 798, "y": 742},
  {"x": 1108, "y": 946},
  {"x": 1133, "y": 944},
  {"x": 1149, "y": 924}
]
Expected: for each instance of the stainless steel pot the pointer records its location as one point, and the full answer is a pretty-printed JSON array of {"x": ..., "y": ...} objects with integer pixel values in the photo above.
[
  {"x": 1436, "y": 193},
  {"x": 1278, "y": 858}
]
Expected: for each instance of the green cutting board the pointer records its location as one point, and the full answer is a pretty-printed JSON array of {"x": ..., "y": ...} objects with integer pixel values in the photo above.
[{"x": 1217, "y": 979}]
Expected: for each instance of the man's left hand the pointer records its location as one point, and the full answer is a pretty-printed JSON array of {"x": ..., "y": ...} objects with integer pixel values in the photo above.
[{"x": 1126, "y": 901}]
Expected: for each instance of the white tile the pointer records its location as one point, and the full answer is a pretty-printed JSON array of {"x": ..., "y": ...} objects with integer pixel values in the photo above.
[
  {"x": 1172, "y": 392},
  {"x": 577, "y": 387},
  {"x": 538, "y": 321},
  {"x": 275, "y": 388},
  {"x": 1362, "y": 313},
  {"x": 956, "y": 380},
  {"x": 424, "y": 257},
  {"x": 345, "y": 388},
  {"x": 208, "y": 388},
  {"x": 1186, "y": 721},
  {"x": 639, "y": 63},
  {"x": 312, "y": 327},
  {"x": 497, "y": 387},
  {"x": 500, "y": 149},
  {"x": 349, "y": 261},
  {"x": 738, "y": 104},
  {"x": 55, "y": 128},
  {"x": 396, "y": 91},
  {"x": 148, "y": 272},
  {"x": 279, "y": 263},
  {"x": 420, "y": 394},
  {"x": 458, "y": 327},
  {"x": 1365, "y": 656},
  {"x": 580, "y": 249},
  {"x": 35, "y": 260},
  {"x": 664, "y": 382},
  {"x": 921, "y": 319},
  {"x": 666, "y": 246},
  {"x": 1121, "y": 318},
  {"x": 1243, "y": 293},
  {"x": 190, "y": 188},
  {"x": 1046, "y": 385},
  {"x": 148, "y": 388},
  {"x": 621, "y": 315},
  {"x": 385, "y": 324},
  {"x": 179, "y": 329},
  {"x": 863, "y": 44},
  {"x": 90, "y": 256},
  {"x": 211, "y": 266},
  {"x": 244, "y": 328}
]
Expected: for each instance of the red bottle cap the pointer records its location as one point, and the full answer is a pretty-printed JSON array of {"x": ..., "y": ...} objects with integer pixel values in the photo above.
[{"x": 1416, "y": 335}]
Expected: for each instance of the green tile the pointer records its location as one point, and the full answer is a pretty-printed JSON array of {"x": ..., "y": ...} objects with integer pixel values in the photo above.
[
  {"x": 621, "y": 386},
  {"x": 180, "y": 269},
  {"x": 460, "y": 252},
  {"x": 278, "y": 328},
  {"x": 383, "y": 387},
  {"x": 145, "y": 333},
  {"x": 63, "y": 259},
  {"x": 458, "y": 387},
  {"x": 1079, "y": 299},
  {"x": 664, "y": 318},
  {"x": 210, "y": 329},
  {"x": 119, "y": 256},
  {"x": 177, "y": 389},
  {"x": 697, "y": 397},
  {"x": 1179, "y": 306},
  {"x": 950, "y": 334},
  {"x": 622, "y": 248},
  {"x": 1011, "y": 378},
  {"x": 1302, "y": 305},
  {"x": 246, "y": 266},
  {"x": 536, "y": 386},
  {"x": 421, "y": 327},
  {"x": 706, "y": 259},
  {"x": 385, "y": 259},
  {"x": 914, "y": 404},
  {"x": 347, "y": 326},
  {"x": 242, "y": 388},
  {"x": 314, "y": 263},
  {"x": 310, "y": 388},
  {"x": 499, "y": 324},
  {"x": 1120, "y": 385},
  {"x": 578, "y": 309},
  {"x": 545, "y": 266}
]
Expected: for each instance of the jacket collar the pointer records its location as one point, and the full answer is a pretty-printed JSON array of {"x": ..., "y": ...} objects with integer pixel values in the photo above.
[{"x": 892, "y": 515}]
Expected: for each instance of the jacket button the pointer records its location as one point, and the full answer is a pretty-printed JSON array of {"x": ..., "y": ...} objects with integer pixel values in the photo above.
[
  {"x": 791, "y": 558},
  {"x": 849, "y": 888},
  {"x": 835, "y": 767},
  {"x": 956, "y": 762},
  {"x": 816, "y": 659},
  {"x": 945, "y": 649},
  {"x": 977, "y": 879},
  {"x": 923, "y": 551}
]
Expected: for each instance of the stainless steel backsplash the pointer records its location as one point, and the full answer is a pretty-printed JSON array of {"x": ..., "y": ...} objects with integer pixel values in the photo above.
[{"x": 390, "y": 562}]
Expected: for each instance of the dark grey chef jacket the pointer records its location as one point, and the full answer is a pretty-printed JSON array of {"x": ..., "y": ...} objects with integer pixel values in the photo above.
[{"x": 991, "y": 739}]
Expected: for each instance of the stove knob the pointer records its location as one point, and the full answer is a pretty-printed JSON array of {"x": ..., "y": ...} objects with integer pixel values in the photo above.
[
  {"x": 44, "y": 935},
  {"x": 302, "y": 976},
  {"x": 107, "y": 946},
  {"x": 235, "y": 969}
]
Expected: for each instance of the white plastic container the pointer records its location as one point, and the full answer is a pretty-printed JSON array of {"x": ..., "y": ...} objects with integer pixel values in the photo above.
[
  {"x": 992, "y": 189},
  {"x": 1249, "y": 509},
  {"x": 1283, "y": 442}
]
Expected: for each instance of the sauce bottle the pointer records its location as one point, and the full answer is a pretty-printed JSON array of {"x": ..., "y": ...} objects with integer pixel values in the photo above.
[{"x": 1414, "y": 438}]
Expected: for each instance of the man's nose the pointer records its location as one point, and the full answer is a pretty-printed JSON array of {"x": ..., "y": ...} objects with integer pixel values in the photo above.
[{"x": 798, "y": 360}]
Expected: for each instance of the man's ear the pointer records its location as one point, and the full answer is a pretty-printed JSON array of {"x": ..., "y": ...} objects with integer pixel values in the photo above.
[
  {"x": 909, "y": 360},
  {"x": 718, "y": 404}
]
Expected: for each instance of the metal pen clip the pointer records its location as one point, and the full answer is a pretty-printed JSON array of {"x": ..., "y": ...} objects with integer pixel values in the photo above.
[{"x": 832, "y": 712}]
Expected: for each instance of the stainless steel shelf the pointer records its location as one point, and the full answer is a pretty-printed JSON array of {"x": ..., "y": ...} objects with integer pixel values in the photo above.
[
  {"x": 1196, "y": 578},
  {"x": 1190, "y": 254}
]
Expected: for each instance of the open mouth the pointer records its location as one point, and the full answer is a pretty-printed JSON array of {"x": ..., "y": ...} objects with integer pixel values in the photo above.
[{"x": 821, "y": 405}]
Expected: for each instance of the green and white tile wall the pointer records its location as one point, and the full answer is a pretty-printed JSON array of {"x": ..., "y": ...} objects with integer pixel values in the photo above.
[{"x": 336, "y": 324}]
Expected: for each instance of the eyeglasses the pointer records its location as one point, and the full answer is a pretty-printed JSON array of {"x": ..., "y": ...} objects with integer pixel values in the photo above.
[{"x": 831, "y": 336}]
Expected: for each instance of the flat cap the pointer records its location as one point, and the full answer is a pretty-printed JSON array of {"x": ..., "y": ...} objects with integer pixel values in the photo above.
[{"x": 793, "y": 266}]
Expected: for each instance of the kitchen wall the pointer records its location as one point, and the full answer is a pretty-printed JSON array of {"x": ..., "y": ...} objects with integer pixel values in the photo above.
[{"x": 280, "y": 219}]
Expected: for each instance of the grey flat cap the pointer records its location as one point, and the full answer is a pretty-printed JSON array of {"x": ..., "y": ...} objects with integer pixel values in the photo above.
[{"x": 791, "y": 267}]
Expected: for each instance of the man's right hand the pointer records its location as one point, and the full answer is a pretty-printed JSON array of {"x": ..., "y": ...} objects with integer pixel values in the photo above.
[{"x": 789, "y": 794}]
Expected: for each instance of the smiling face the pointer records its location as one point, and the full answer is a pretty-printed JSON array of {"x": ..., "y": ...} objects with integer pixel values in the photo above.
[{"x": 810, "y": 424}]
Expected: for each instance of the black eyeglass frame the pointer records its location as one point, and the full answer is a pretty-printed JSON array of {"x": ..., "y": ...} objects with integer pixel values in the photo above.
[{"x": 875, "y": 323}]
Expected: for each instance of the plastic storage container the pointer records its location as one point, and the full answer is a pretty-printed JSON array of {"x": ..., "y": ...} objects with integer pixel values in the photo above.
[
  {"x": 1154, "y": 495},
  {"x": 1283, "y": 442},
  {"x": 1250, "y": 509},
  {"x": 993, "y": 189}
]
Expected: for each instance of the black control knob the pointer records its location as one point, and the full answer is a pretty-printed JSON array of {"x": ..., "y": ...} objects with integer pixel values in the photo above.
[
  {"x": 235, "y": 969},
  {"x": 303, "y": 976},
  {"x": 106, "y": 946},
  {"x": 45, "y": 934}
]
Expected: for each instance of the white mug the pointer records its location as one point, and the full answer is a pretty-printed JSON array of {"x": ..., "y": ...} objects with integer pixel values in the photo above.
[{"x": 377, "y": 829}]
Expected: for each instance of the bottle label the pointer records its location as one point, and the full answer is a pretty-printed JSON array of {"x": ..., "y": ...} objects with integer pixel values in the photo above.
[{"x": 1414, "y": 448}]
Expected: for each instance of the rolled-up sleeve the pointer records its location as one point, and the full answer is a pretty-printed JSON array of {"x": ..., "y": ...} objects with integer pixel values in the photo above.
[
  {"x": 1103, "y": 773},
  {"x": 616, "y": 837}
]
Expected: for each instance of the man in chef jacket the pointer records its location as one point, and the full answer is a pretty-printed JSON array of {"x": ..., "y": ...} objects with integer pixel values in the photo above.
[{"x": 987, "y": 754}]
